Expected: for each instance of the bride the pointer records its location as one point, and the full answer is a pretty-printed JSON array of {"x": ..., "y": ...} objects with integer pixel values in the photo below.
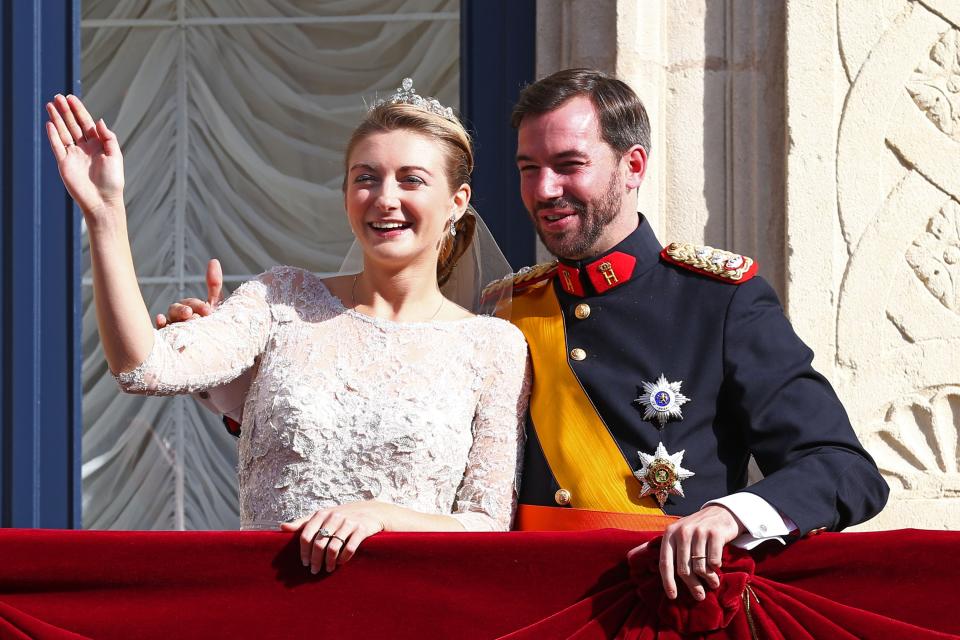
[{"x": 378, "y": 404}]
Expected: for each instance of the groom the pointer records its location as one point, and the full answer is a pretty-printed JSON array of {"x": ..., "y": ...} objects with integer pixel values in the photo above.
[
  {"x": 675, "y": 365},
  {"x": 658, "y": 372}
]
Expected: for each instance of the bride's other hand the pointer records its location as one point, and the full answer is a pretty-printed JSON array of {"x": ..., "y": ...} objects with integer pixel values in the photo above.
[
  {"x": 88, "y": 156},
  {"x": 330, "y": 537}
]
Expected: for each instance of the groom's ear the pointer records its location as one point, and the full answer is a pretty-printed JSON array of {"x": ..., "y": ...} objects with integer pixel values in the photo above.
[{"x": 634, "y": 163}]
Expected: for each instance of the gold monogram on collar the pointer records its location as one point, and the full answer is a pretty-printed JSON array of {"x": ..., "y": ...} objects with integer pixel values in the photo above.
[
  {"x": 567, "y": 282},
  {"x": 606, "y": 269}
]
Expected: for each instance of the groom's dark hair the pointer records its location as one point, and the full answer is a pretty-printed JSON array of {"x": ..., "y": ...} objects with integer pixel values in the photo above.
[{"x": 623, "y": 118}]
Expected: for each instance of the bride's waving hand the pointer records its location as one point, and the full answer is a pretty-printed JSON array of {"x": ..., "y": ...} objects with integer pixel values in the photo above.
[
  {"x": 91, "y": 165},
  {"x": 88, "y": 155}
]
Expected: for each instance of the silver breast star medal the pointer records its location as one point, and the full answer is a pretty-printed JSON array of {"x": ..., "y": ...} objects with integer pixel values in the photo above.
[
  {"x": 662, "y": 400},
  {"x": 661, "y": 474}
]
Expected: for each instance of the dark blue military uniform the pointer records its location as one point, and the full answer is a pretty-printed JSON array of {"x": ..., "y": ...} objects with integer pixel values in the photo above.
[{"x": 749, "y": 381}]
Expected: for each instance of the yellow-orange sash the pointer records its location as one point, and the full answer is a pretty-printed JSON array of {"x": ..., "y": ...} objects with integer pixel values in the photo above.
[
  {"x": 532, "y": 517},
  {"x": 580, "y": 450}
]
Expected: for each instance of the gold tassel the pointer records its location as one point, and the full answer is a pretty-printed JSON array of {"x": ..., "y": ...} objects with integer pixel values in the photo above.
[{"x": 747, "y": 593}]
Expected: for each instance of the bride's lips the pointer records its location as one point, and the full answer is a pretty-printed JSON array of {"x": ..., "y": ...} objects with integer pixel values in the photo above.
[{"x": 389, "y": 228}]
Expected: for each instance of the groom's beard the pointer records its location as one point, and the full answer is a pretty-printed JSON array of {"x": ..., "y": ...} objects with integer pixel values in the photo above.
[{"x": 592, "y": 219}]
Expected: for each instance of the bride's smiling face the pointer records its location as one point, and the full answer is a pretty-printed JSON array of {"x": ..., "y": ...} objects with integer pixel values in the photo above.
[{"x": 398, "y": 197}]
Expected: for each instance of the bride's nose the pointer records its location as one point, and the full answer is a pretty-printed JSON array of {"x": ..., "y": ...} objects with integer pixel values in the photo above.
[{"x": 388, "y": 199}]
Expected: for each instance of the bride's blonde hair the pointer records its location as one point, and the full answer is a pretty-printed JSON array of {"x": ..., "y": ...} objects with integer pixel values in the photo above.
[{"x": 457, "y": 150}]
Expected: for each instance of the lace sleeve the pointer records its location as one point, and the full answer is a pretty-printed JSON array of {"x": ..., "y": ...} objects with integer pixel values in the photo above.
[
  {"x": 207, "y": 352},
  {"x": 487, "y": 497}
]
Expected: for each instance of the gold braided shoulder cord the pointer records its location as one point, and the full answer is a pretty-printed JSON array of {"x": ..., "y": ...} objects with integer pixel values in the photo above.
[
  {"x": 513, "y": 279},
  {"x": 699, "y": 258}
]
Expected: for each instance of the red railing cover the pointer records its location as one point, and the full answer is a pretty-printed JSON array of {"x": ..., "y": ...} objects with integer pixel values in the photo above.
[{"x": 73, "y": 584}]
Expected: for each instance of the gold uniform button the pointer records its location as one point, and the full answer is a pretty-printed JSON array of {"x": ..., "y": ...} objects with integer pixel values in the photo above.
[
  {"x": 578, "y": 354},
  {"x": 582, "y": 311},
  {"x": 562, "y": 497}
]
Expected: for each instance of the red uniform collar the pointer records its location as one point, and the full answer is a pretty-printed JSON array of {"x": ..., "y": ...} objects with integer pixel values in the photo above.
[
  {"x": 600, "y": 274},
  {"x": 633, "y": 256}
]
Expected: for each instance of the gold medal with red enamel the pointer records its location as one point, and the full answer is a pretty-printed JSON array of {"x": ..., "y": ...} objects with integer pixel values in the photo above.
[{"x": 661, "y": 474}]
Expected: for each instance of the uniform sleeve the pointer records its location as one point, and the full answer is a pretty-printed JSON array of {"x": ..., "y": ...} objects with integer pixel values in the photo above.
[
  {"x": 207, "y": 352},
  {"x": 816, "y": 472},
  {"x": 487, "y": 498}
]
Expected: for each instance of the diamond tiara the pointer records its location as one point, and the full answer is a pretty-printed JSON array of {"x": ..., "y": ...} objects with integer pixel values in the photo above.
[{"x": 406, "y": 95}]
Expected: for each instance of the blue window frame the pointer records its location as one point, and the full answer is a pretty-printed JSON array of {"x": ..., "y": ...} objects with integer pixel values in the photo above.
[{"x": 39, "y": 274}]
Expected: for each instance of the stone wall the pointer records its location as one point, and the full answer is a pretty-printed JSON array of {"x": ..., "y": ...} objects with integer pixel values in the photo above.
[
  {"x": 822, "y": 138},
  {"x": 873, "y": 232}
]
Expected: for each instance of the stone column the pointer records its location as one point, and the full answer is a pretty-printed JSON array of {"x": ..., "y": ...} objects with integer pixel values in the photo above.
[{"x": 873, "y": 232}]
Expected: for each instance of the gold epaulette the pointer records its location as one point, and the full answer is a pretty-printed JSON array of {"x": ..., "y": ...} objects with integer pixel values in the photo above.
[
  {"x": 520, "y": 280},
  {"x": 718, "y": 264}
]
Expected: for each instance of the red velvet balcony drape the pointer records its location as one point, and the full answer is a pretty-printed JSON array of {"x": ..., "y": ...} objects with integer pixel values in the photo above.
[{"x": 75, "y": 584}]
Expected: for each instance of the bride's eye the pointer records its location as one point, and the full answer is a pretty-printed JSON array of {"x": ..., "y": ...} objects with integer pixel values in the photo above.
[
  {"x": 413, "y": 180},
  {"x": 364, "y": 177}
]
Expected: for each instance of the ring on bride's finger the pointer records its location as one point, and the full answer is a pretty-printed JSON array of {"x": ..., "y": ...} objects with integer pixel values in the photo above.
[
  {"x": 342, "y": 541},
  {"x": 324, "y": 533}
]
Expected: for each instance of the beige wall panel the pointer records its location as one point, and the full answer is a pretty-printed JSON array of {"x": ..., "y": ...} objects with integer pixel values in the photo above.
[{"x": 873, "y": 229}]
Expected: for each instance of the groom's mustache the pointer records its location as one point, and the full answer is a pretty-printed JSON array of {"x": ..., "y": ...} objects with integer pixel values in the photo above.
[{"x": 562, "y": 203}]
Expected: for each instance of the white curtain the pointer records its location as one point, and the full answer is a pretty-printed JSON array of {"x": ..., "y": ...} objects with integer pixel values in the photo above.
[{"x": 232, "y": 117}]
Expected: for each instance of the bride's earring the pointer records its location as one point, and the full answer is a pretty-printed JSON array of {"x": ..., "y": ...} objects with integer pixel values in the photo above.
[{"x": 453, "y": 225}]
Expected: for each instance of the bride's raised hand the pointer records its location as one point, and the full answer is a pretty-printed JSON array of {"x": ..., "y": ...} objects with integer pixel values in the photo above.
[{"x": 88, "y": 156}]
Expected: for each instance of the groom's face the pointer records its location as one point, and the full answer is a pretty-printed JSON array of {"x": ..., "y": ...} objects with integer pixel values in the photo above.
[{"x": 570, "y": 179}]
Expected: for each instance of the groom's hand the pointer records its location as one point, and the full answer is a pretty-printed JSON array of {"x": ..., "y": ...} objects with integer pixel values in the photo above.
[
  {"x": 190, "y": 308},
  {"x": 692, "y": 550}
]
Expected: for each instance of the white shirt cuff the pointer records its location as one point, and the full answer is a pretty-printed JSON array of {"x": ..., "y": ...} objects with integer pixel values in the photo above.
[{"x": 760, "y": 518}]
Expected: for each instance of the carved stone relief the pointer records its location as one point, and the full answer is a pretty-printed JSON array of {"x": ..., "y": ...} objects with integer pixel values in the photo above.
[
  {"x": 916, "y": 445},
  {"x": 917, "y": 442},
  {"x": 935, "y": 86},
  {"x": 896, "y": 253},
  {"x": 935, "y": 256}
]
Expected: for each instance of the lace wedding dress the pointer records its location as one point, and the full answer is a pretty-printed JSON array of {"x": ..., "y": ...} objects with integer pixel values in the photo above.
[{"x": 346, "y": 407}]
